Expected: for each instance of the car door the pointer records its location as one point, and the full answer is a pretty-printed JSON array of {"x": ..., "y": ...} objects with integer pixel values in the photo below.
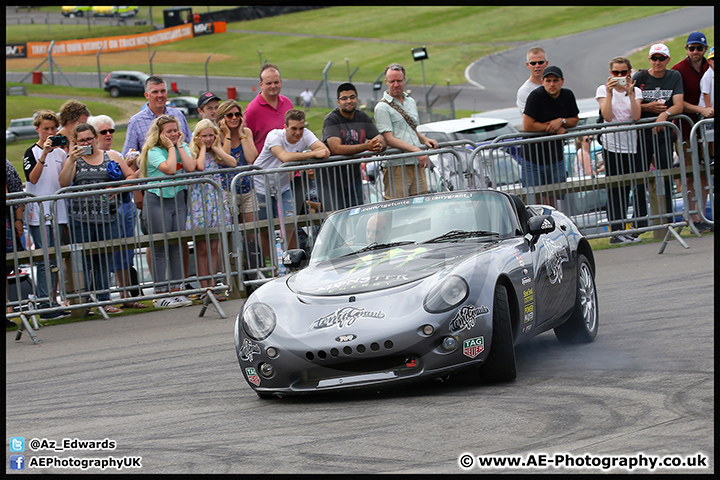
[
  {"x": 554, "y": 274},
  {"x": 134, "y": 85}
]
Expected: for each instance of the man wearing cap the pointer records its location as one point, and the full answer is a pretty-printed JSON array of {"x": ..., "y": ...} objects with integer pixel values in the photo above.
[
  {"x": 550, "y": 109},
  {"x": 662, "y": 97},
  {"x": 207, "y": 105},
  {"x": 692, "y": 69}
]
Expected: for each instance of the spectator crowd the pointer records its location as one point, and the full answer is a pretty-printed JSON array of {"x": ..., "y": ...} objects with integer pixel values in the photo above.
[{"x": 75, "y": 148}]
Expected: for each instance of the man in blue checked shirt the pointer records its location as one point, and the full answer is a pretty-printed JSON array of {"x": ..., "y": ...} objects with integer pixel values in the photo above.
[{"x": 139, "y": 124}]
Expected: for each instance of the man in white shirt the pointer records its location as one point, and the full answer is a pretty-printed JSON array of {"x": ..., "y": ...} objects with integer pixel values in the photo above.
[
  {"x": 536, "y": 63},
  {"x": 282, "y": 145}
]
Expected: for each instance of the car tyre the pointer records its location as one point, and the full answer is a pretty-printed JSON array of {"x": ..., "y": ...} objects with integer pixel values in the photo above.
[
  {"x": 114, "y": 92},
  {"x": 500, "y": 365},
  {"x": 582, "y": 326}
]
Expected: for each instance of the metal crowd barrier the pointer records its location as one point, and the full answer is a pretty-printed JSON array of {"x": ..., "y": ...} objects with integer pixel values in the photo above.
[
  {"x": 580, "y": 196},
  {"x": 703, "y": 132},
  {"x": 250, "y": 246}
]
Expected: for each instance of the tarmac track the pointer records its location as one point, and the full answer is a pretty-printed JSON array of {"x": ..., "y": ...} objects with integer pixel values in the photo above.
[{"x": 166, "y": 386}]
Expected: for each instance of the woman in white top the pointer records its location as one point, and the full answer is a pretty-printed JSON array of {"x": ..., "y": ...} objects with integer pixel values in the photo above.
[{"x": 619, "y": 101}]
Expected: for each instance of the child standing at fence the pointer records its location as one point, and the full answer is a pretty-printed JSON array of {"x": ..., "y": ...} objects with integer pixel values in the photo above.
[
  {"x": 163, "y": 155},
  {"x": 208, "y": 207}
]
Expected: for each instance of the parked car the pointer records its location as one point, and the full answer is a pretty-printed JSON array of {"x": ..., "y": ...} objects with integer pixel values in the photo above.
[
  {"x": 19, "y": 129},
  {"x": 125, "y": 82},
  {"x": 454, "y": 283},
  {"x": 187, "y": 105},
  {"x": 115, "y": 11},
  {"x": 479, "y": 131},
  {"x": 76, "y": 11}
]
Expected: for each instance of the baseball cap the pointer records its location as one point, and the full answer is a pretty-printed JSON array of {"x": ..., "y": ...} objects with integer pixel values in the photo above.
[
  {"x": 660, "y": 49},
  {"x": 696, "y": 37},
  {"x": 553, "y": 70},
  {"x": 205, "y": 97},
  {"x": 711, "y": 53}
]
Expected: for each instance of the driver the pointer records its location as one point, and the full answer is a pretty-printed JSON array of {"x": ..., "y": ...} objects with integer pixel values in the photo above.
[{"x": 378, "y": 228}]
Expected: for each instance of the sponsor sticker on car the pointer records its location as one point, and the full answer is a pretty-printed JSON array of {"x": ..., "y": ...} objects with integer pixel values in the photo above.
[
  {"x": 252, "y": 376},
  {"x": 472, "y": 347}
]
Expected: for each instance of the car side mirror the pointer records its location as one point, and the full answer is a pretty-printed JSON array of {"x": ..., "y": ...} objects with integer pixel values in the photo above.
[
  {"x": 295, "y": 258},
  {"x": 539, "y": 225}
]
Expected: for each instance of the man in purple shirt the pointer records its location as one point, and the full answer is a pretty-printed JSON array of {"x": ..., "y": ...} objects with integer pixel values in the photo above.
[
  {"x": 266, "y": 112},
  {"x": 139, "y": 124}
]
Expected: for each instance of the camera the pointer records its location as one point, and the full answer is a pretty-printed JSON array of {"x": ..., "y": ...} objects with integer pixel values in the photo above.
[
  {"x": 621, "y": 81},
  {"x": 59, "y": 140},
  {"x": 86, "y": 149}
]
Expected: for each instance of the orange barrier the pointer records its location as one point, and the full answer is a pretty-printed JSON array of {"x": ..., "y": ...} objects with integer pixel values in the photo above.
[{"x": 118, "y": 43}]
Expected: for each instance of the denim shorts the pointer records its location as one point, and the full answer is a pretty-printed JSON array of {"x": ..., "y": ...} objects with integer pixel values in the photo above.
[
  {"x": 288, "y": 205},
  {"x": 534, "y": 174}
]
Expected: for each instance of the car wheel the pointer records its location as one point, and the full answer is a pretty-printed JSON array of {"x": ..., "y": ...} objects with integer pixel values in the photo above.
[
  {"x": 582, "y": 326},
  {"x": 114, "y": 92},
  {"x": 500, "y": 365}
]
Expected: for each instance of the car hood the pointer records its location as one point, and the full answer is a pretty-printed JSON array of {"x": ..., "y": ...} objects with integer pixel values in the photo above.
[{"x": 382, "y": 269}]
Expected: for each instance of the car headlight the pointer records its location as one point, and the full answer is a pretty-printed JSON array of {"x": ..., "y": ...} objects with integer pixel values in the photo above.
[
  {"x": 259, "y": 321},
  {"x": 447, "y": 295}
]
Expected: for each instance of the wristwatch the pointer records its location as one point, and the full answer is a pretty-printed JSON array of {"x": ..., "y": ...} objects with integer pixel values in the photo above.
[{"x": 564, "y": 121}]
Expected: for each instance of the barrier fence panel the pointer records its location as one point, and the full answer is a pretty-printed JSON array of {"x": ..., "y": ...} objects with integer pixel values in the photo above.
[
  {"x": 702, "y": 144},
  {"x": 632, "y": 191},
  {"x": 93, "y": 245}
]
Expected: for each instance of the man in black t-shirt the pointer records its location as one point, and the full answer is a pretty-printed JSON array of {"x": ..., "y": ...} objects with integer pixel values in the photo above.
[
  {"x": 550, "y": 109},
  {"x": 346, "y": 131}
]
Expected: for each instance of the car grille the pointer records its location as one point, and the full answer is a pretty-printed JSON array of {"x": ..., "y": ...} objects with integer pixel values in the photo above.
[{"x": 348, "y": 350}]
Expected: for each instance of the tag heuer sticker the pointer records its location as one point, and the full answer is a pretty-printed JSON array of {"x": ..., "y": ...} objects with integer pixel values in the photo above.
[
  {"x": 473, "y": 347},
  {"x": 253, "y": 376}
]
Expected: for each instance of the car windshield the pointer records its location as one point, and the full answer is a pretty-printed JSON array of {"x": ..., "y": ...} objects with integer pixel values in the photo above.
[{"x": 438, "y": 218}]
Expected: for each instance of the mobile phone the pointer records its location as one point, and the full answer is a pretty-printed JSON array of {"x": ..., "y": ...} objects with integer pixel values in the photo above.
[
  {"x": 59, "y": 140},
  {"x": 622, "y": 81},
  {"x": 86, "y": 149}
]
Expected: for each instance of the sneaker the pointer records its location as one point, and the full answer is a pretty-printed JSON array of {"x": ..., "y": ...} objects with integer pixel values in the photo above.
[
  {"x": 10, "y": 323},
  {"x": 167, "y": 302},
  {"x": 55, "y": 315},
  {"x": 703, "y": 227},
  {"x": 623, "y": 240}
]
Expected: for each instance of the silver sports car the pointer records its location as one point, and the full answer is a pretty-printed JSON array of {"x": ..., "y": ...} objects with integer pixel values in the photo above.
[{"x": 417, "y": 288}]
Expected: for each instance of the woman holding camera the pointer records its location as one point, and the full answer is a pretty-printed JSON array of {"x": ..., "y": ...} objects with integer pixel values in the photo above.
[
  {"x": 93, "y": 218},
  {"x": 619, "y": 101}
]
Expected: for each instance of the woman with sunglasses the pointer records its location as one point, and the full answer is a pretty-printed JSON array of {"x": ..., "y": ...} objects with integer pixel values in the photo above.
[
  {"x": 237, "y": 140},
  {"x": 124, "y": 259},
  {"x": 93, "y": 218},
  {"x": 163, "y": 155},
  {"x": 619, "y": 101}
]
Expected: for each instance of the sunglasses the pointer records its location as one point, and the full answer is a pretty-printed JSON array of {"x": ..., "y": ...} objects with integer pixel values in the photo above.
[
  {"x": 658, "y": 58},
  {"x": 619, "y": 73},
  {"x": 539, "y": 62},
  {"x": 692, "y": 48},
  {"x": 105, "y": 132},
  {"x": 233, "y": 115}
]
